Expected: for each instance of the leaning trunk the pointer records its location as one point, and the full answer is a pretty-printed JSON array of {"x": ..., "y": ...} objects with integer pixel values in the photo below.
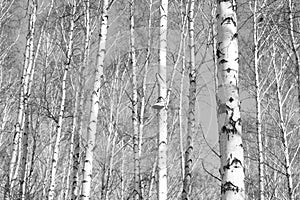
[
  {"x": 92, "y": 128},
  {"x": 24, "y": 95},
  {"x": 51, "y": 193}
]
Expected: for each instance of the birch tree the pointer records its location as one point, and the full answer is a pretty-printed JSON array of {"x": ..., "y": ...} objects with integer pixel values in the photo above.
[
  {"x": 24, "y": 95},
  {"x": 281, "y": 100},
  {"x": 258, "y": 104},
  {"x": 56, "y": 148},
  {"x": 143, "y": 100},
  {"x": 192, "y": 101},
  {"x": 92, "y": 127},
  {"x": 161, "y": 103},
  {"x": 134, "y": 102},
  {"x": 229, "y": 120},
  {"x": 79, "y": 98},
  {"x": 294, "y": 45}
]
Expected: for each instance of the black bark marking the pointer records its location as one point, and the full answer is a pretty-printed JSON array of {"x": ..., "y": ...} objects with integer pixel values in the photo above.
[
  {"x": 229, "y": 108},
  {"x": 219, "y": 53},
  {"x": 235, "y": 36},
  {"x": 228, "y": 20},
  {"x": 228, "y": 186},
  {"x": 231, "y": 99},
  {"x": 235, "y": 163},
  {"x": 223, "y": 61},
  {"x": 234, "y": 7}
]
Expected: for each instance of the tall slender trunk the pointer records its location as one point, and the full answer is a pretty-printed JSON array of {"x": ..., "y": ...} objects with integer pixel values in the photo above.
[
  {"x": 294, "y": 46},
  {"x": 24, "y": 95},
  {"x": 183, "y": 17},
  {"x": 283, "y": 131},
  {"x": 48, "y": 162},
  {"x": 122, "y": 171},
  {"x": 74, "y": 180},
  {"x": 229, "y": 120},
  {"x": 56, "y": 149},
  {"x": 31, "y": 63},
  {"x": 134, "y": 101},
  {"x": 72, "y": 140},
  {"x": 162, "y": 98},
  {"x": 258, "y": 106},
  {"x": 144, "y": 88},
  {"x": 92, "y": 128},
  {"x": 33, "y": 152},
  {"x": 113, "y": 134},
  {"x": 192, "y": 101},
  {"x": 24, "y": 155},
  {"x": 152, "y": 178}
]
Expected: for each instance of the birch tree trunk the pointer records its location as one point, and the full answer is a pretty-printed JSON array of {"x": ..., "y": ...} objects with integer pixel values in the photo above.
[
  {"x": 69, "y": 177},
  {"x": 162, "y": 98},
  {"x": 92, "y": 128},
  {"x": 144, "y": 88},
  {"x": 229, "y": 120},
  {"x": 258, "y": 106},
  {"x": 74, "y": 179},
  {"x": 24, "y": 95},
  {"x": 283, "y": 128},
  {"x": 56, "y": 149},
  {"x": 183, "y": 17},
  {"x": 134, "y": 101},
  {"x": 294, "y": 45},
  {"x": 32, "y": 63},
  {"x": 192, "y": 101}
]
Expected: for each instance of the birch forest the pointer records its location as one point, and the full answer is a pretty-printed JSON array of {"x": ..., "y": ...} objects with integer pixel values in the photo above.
[{"x": 149, "y": 99}]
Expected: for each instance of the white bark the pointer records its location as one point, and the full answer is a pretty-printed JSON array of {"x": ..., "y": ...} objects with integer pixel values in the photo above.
[
  {"x": 74, "y": 179},
  {"x": 56, "y": 149},
  {"x": 24, "y": 95},
  {"x": 134, "y": 101},
  {"x": 92, "y": 128},
  {"x": 144, "y": 80},
  {"x": 183, "y": 15},
  {"x": 229, "y": 121},
  {"x": 192, "y": 101},
  {"x": 294, "y": 45},
  {"x": 32, "y": 64},
  {"x": 162, "y": 113},
  {"x": 283, "y": 129},
  {"x": 258, "y": 106}
]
